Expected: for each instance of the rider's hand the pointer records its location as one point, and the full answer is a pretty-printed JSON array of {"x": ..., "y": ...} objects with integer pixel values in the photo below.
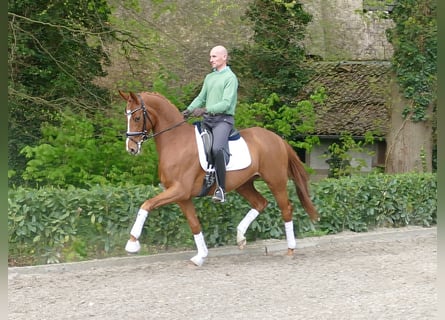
[
  {"x": 198, "y": 112},
  {"x": 186, "y": 113}
]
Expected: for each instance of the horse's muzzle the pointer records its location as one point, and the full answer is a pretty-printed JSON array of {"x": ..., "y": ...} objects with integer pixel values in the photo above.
[
  {"x": 133, "y": 147},
  {"x": 133, "y": 151}
]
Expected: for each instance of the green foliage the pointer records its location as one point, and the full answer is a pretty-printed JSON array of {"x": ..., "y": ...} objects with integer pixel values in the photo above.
[
  {"x": 48, "y": 222},
  {"x": 162, "y": 85},
  {"x": 340, "y": 155},
  {"x": 294, "y": 122},
  {"x": 360, "y": 203},
  {"x": 414, "y": 38},
  {"x": 272, "y": 66},
  {"x": 272, "y": 62},
  {"x": 156, "y": 39},
  {"x": 50, "y": 225},
  {"x": 78, "y": 153},
  {"x": 55, "y": 53},
  {"x": 56, "y": 46}
]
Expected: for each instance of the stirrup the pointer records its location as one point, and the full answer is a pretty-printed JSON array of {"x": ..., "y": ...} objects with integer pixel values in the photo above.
[{"x": 219, "y": 195}]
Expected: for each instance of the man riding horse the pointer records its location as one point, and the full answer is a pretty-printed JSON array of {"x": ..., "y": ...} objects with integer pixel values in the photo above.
[{"x": 216, "y": 103}]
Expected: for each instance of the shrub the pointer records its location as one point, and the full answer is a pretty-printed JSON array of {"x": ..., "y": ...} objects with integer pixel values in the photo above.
[{"x": 50, "y": 225}]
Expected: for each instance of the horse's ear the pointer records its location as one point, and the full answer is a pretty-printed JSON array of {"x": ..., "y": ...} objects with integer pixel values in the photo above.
[
  {"x": 124, "y": 95},
  {"x": 134, "y": 96}
]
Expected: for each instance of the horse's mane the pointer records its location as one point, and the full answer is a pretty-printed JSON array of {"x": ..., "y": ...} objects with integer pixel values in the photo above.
[{"x": 158, "y": 95}]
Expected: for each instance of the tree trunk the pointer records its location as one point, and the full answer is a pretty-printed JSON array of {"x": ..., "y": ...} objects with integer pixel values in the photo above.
[{"x": 409, "y": 144}]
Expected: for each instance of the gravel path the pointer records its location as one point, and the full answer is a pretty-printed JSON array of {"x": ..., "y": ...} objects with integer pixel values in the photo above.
[{"x": 383, "y": 274}]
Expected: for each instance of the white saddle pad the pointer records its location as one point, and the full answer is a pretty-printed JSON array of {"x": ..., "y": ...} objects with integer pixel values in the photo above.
[{"x": 239, "y": 153}]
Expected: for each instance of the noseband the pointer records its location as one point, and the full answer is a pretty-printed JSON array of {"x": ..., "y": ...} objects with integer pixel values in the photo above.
[
  {"x": 145, "y": 115},
  {"x": 144, "y": 132}
]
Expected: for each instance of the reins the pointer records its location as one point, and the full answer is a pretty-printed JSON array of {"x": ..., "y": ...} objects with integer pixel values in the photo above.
[{"x": 165, "y": 130}]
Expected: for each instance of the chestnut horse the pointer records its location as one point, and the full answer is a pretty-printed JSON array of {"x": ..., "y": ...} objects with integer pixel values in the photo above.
[{"x": 150, "y": 115}]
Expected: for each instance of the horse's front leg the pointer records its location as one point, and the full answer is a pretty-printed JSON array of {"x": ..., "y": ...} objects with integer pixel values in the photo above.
[
  {"x": 133, "y": 245},
  {"x": 170, "y": 195}
]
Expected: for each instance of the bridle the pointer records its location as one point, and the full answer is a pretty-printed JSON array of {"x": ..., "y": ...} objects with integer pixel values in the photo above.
[{"x": 144, "y": 132}]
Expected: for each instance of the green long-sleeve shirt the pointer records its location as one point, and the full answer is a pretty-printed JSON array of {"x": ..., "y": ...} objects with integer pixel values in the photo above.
[{"x": 219, "y": 93}]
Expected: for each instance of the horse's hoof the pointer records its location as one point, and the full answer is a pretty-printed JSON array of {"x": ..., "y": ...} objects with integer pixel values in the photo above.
[
  {"x": 197, "y": 260},
  {"x": 290, "y": 252},
  {"x": 241, "y": 241},
  {"x": 242, "y": 244},
  {"x": 133, "y": 246}
]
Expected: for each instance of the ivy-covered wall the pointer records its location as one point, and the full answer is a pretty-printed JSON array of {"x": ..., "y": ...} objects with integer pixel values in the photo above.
[{"x": 341, "y": 30}]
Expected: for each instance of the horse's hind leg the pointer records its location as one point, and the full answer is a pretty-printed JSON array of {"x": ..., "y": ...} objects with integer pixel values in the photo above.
[
  {"x": 257, "y": 202},
  {"x": 189, "y": 211},
  {"x": 279, "y": 191}
]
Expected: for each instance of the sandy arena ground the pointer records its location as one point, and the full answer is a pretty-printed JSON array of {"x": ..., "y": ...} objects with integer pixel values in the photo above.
[{"x": 384, "y": 274}]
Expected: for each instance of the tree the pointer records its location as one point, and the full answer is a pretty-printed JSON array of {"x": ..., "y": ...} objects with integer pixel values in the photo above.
[
  {"x": 84, "y": 152},
  {"x": 273, "y": 61},
  {"x": 145, "y": 44},
  {"x": 55, "y": 52},
  {"x": 272, "y": 71},
  {"x": 413, "y": 134}
]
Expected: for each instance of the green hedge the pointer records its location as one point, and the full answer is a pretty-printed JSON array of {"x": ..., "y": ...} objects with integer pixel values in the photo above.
[
  {"x": 366, "y": 202},
  {"x": 50, "y": 225}
]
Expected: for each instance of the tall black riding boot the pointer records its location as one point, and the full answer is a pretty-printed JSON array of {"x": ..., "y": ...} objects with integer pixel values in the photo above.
[{"x": 220, "y": 165}]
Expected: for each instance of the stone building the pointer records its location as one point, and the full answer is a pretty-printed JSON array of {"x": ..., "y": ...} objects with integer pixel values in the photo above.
[{"x": 352, "y": 56}]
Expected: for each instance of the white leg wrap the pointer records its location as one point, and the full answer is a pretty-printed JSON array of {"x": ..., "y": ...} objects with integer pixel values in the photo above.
[
  {"x": 201, "y": 245},
  {"x": 202, "y": 250},
  {"x": 289, "y": 227},
  {"x": 243, "y": 225},
  {"x": 247, "y": 220},
  {"x": 139, "y": 223}
]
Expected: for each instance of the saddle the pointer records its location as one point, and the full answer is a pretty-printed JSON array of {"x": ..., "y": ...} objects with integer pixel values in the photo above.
[{"x": 207, "y": 139}]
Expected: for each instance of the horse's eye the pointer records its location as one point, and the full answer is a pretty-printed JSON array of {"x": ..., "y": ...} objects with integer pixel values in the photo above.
[{"x": 137, "y": 118}]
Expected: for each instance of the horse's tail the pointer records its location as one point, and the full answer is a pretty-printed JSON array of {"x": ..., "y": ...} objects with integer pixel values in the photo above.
[{"x": 298, "y": 174}]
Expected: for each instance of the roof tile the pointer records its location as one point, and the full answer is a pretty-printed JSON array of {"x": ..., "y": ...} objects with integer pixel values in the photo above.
[{"x": 356, "y": 97}]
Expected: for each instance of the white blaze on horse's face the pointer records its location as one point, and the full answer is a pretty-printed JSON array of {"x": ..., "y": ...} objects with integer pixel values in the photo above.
[
  {"x": 132, "y": 146},
  {"x": 128, "y": 113}
]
